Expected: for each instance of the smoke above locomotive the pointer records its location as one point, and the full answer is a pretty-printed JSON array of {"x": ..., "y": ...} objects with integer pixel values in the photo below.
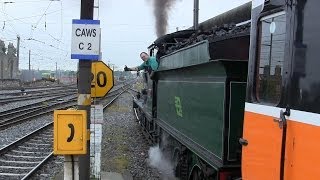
[{"x": 161, "y": 13}]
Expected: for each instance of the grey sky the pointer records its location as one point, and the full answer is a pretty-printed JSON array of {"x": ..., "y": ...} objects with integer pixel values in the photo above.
[{"x": 127, "y": 28}]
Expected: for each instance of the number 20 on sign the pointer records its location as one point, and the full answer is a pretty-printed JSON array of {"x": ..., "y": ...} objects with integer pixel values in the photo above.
[{"x": 102, "y": 79}]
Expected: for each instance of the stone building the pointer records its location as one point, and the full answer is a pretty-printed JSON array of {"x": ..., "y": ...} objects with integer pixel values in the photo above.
[{"x": 9, "y": 65}]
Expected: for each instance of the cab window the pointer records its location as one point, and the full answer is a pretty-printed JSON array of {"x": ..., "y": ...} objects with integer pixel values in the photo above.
[{"x": 271, "y": 46}]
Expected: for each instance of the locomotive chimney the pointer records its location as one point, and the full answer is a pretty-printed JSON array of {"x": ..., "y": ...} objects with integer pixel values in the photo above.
[{"x": 196, "y": 15}]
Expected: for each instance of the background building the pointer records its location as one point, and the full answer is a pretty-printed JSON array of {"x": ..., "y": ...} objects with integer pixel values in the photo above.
[{"x": 9, "y": 64}]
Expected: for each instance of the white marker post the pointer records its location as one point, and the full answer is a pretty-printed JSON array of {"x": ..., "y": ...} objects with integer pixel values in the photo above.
[{"x": 95, "y": 140}]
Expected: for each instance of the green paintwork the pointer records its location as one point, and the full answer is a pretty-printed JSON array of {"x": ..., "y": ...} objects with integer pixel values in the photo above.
[
  {"x": 202, "y": 105},
  {"x": 202, "y": 102},
  {"x": 189, "y": 56}
]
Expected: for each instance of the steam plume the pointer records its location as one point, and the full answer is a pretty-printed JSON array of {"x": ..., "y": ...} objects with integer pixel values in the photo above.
[
  {"x": 160, "y": 11},
  {"x": 158, "y": 160}
]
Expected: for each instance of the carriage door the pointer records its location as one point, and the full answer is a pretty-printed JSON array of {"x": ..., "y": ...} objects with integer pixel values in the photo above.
[{"x": 263, "y": 130}]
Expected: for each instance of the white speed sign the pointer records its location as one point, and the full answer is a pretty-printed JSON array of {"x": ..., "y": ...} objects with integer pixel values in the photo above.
[{"x": 85, "y": 43}]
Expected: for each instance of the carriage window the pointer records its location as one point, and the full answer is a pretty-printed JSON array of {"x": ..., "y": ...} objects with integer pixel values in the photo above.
[{"x": 271, "y": 46}]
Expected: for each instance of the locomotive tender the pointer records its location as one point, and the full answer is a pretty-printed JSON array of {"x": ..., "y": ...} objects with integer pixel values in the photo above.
[{"x": 239, "y": 98}]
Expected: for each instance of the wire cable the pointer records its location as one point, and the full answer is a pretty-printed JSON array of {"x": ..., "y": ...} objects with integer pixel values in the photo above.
[{"x": 34, "y": 27}]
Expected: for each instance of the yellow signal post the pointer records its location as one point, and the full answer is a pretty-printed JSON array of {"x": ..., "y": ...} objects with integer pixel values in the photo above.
[
  {"x": 102, "y": 81},
  {"x": 70, "y": 132}
]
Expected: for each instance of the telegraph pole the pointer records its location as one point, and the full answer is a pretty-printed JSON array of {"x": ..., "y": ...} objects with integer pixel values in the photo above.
[
  {"x": 29, "y": 60},
  {"x": 84, "y": 92},
  {"x": 56, "y": 70},
  {"x": 18, "y": 48}
]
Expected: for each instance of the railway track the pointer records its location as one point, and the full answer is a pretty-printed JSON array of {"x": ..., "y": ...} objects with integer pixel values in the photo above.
[
  {"x": 114, "y": 92},
  {"x": 18, "y": 92},
  {"x": 37, "y": 88},
  {"x": 35, "y": 96},
  {"x": 22, "y": 158},
  {"x": 134, "y": 90},
  {"x": 44, "y": 102},
  {"x": 25, "y": 113},
  {"x": 25, "y": 108},
  {"x": 19, "y": 116}
]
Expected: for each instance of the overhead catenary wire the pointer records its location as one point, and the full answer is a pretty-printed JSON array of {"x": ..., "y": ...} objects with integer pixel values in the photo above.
[
  {"x": 6, "y": 17},
  {"x": 24, "y": 2},
  {"x": 50, "y": 45},
  {"x": 45, "y": 44},
  {"x": 39, "y": 41},
  {"x": 61, "y": 21},
  {"x": 28, "y": 17},
  {"x": 34, "y": 27}
]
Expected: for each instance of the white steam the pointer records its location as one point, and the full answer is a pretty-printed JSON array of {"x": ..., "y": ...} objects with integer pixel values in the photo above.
[{"x": 159, "y": 161}]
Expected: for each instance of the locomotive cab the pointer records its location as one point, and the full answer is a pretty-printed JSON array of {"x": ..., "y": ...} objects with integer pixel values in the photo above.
[{"x": 281, "y": 124}]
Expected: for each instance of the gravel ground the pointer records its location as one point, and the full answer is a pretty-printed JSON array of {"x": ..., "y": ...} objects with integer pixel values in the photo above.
[
  {"x": 11, "y": 134},
  {"x": 123, "y": 147}
]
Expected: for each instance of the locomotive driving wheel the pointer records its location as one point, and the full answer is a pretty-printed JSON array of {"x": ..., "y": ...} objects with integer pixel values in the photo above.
[
  {"x": 196, "y": 174},
  {"x": 181, "y": 165}
]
